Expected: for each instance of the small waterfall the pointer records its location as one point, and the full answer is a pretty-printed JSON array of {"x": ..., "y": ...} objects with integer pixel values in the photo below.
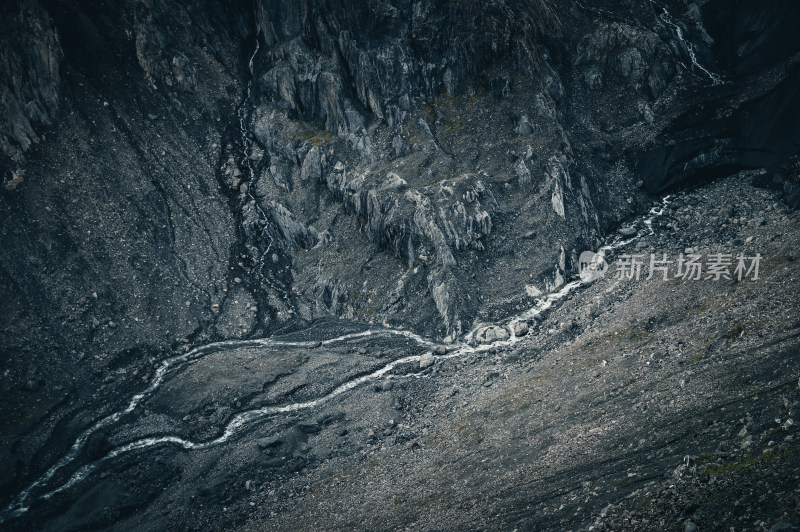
[
  {"x": 246, "y": 163},
  {"x": 666, "y": 18}
]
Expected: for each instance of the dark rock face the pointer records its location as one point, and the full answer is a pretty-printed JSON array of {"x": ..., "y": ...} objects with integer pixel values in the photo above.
[
  {"x": 335, "y": 61},
  {"x": 116, "y": 244},
  {"x": 30, "y": 53},
  {"x": 393, "y": 101},
  {"x": 752, "y": 121}
]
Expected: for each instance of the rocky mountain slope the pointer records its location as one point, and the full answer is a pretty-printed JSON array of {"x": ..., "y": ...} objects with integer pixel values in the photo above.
[{"x": 179, "y": 174}]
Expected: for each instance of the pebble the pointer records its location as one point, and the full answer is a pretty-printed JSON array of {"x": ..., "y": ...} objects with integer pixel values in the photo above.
[
  {"x": 266, "y": 443},
  {"x": 689, "y": 526},
  {"x": 521, "y": 328},
  {"x": 362, "y": 351},
  {"x": 308, "y": 427},
  {"x": 627, "y": 231},
  {"x": 426, "y": 360},
  {"x": 441, "y": 350}
]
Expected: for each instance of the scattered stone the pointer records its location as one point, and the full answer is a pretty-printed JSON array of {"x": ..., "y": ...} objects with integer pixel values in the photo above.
[
  {"x": 522, "y": 171},
  {"x": 781, "y": 527},
  {"x": 567, "y": 325},
  {"x": 441, "y": 350},
  {"x": 362, "y": 351},
  {"x": 266, "y": 443},
  {"x": 524, "y": 126},
  {"x": 31, "y": 386},
  {"x": 627, "y": 231},
  {"x": 426, "y": 361},
  {"x": 521, "y": 328},
  {"x": 689, "y": 526},
  {"x": 309, "y": 427},
  {"x": 532, "y": 291},
  {"x": 491, "y": 334}
]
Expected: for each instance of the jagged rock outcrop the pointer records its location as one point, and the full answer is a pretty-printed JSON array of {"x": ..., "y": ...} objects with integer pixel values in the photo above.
[
  {"x": 636, "y": 57},
  {"x": 386, "y": 133},
  {"x": 30, "y": 55}
]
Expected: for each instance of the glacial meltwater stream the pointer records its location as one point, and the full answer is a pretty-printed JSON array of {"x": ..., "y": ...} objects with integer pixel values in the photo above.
[{"x": 41, "y": 489}]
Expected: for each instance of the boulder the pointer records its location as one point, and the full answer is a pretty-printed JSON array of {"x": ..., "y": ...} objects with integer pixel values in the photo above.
[{"x": 491, "y": 334}]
